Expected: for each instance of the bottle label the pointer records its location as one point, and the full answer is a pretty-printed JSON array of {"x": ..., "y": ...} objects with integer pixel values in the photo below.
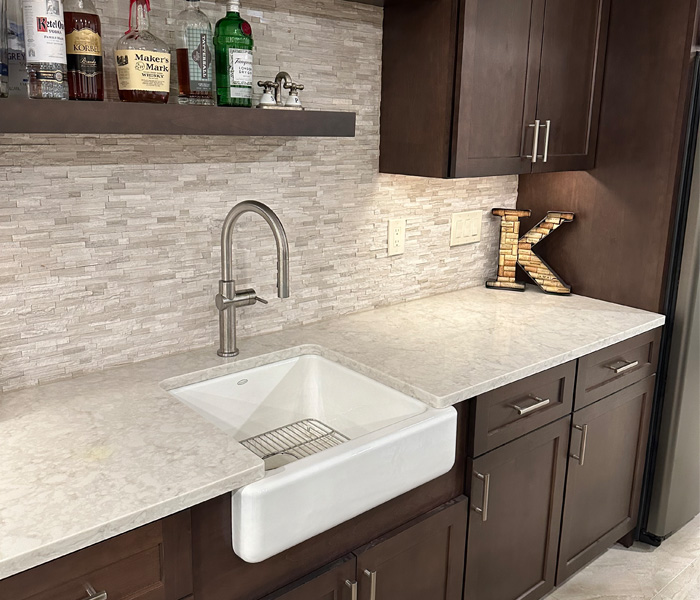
[
  {"x": 84, "y": 49},
  {"x": 200, "y": 59},
  {"x": 240, "y": 73},
  {"x": 143, "y": 70},
  {"x": 44, "y": 31}
]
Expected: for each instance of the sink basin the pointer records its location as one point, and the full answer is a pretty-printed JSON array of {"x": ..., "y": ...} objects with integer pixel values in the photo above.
[{"x": 369, "y": 444}]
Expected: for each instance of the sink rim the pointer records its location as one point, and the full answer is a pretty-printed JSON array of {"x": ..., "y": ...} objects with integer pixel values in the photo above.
[{"x": 349, "y": 448}]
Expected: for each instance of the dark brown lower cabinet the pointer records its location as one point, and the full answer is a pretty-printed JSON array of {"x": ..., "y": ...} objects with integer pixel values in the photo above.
[
  {"x": 423, "y": 560},
  {"x": 517, "y": 493},
  {"x": 333, "y": 582},
  {"x": 606, "y": 463}
]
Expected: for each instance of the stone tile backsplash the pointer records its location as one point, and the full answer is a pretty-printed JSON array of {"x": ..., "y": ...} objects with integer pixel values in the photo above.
[{"x": 109, "y": 245}]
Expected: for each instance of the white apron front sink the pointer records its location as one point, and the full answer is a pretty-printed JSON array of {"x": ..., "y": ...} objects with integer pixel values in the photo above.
[{"x": 387, "y": 443}]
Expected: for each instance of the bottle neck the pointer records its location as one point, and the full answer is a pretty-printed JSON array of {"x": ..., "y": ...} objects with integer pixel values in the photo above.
[
  {"x": 233, "y": 7},
  {"x": 193, "y": 5},
  {"x": 138, "y": 17}
]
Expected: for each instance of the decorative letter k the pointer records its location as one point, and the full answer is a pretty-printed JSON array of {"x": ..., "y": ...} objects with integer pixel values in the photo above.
[{"x": 514, "y": 250}]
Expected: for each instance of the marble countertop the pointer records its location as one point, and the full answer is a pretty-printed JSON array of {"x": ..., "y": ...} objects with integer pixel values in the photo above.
[{"x": 85, "y": 459}]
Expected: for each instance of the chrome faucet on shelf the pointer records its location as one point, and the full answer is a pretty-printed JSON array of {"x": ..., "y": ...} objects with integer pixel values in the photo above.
[{"x": 228, "y": 299}]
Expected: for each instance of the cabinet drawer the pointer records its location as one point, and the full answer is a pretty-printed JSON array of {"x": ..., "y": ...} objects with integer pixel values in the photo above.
[
  {"x": 516, "y": 409},
  {"x": 614, "y": 368},
  {"x": 149, "y": 563}
]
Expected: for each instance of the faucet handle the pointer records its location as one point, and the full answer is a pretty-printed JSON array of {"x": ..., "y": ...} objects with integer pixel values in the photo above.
[{"x": 261, "y": 300}]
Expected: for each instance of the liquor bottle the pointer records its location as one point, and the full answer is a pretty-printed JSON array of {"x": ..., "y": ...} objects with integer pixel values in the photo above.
[
  {"x": 84, "y": 50},
  {"x": 195, "y": 56},
  {"x": 45, "y": 40},
  {"x": 16, "y": 59},
  {"x": 143, "y": 60},
  {"x": 4, "y": 68},
  {"x": 233, "y": 41}
]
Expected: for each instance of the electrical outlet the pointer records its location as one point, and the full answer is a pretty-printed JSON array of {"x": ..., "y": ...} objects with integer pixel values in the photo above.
[
  {"x": 397, "y": 236},
  {"x": 466, "y": 228}
]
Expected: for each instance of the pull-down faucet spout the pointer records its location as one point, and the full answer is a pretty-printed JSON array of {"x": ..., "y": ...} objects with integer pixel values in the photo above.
[{"x": 228, "y": 300}]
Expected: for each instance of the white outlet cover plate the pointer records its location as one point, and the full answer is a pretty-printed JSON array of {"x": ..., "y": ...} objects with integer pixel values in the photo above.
[
  {"x": 466, "y": 228},
  {"x": 396, "y": 238}
]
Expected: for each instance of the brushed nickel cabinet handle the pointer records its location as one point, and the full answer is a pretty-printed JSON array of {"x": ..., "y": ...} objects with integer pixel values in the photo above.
[
  {"x": 535, "y": 141},
  {"x": 372, "y": 584},
  {"x": 93, "y": 595},
  {"x": 581, "y": 456},
  {"x": 353, "y": 588},
  {"x": 546, "y": 140},
  {"x": 621, "y": 366},
  {"x": 484, "y": 510},
  {"x": 541, "y": 403}
]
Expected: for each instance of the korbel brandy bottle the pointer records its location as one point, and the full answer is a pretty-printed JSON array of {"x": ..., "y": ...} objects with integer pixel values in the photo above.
[
  {"x": 143, "y": 60},
  {"x": 233, "y": 41},
  {"x": 195, "y": 56},
  {"x": 84, "y": 50}
]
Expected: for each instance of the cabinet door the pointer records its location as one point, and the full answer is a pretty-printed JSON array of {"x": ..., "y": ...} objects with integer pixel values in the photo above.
[
  {"x": 496, "y": 87},
  {"x": 570, "y": 85},
  {"x": 334, "y": 582},
  {"x": 423, "y": 560},
  {"x": 606, "y": 463},
  {"x": 516, "y": 496}
]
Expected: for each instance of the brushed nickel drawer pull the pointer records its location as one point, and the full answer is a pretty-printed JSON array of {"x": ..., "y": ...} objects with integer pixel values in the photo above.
[
  {"x": 484, "y": 510},
  {"x": 353, "y": 588},
  {"x": 372, "y": 584},
  {"x": 545, "y": 157},
  {"x": 581, "y": 456},
  {"x": 622, "y": 366},
  {"x": 535, "y": 140},
  {"x": 541, "y": 403},
  {"x": 93, "y": 595}
]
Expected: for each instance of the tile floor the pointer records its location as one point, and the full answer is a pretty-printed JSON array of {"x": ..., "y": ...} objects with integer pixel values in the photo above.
[{"x": 669, "y": 572}]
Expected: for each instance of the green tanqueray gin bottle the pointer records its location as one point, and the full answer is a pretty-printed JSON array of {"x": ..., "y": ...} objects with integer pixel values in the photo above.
[{"x": 233, "y": 46}]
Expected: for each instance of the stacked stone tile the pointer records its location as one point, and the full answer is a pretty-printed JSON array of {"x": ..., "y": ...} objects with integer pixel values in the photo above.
[
  {"x": 515, "y": 250},
  {"x": 109, "y": 245}
]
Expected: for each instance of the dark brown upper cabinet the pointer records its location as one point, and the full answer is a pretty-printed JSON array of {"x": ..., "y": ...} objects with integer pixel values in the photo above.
[{"x": 491, "y": 87}]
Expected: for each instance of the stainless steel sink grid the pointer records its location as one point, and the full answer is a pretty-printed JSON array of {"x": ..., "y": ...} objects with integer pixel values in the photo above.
[{"x": 292, "y": 442}]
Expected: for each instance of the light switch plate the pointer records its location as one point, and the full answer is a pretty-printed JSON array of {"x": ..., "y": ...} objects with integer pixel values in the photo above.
[
  {"x": 466, "y": 228},
  {"x": 397, "y": 236}
]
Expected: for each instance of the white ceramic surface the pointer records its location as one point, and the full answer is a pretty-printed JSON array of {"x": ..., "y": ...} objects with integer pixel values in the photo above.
[{"x": 396, "y": 443}]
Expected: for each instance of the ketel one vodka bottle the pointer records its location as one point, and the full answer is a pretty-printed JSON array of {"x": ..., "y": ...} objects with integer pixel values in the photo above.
[
  {"x": 195, "y": 56},
  {"x": 45, "y": 40},
  {"x": 84, "y": 49},
  {"x": 233, "y": 41},
  {"x": 143, "y": 60}
]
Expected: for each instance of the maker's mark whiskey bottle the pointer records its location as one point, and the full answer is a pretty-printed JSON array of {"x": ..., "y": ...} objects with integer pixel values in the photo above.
[
  {"x": 143, "y": 60},
  {"x": 84, "y": 49},
  {"x": 233, "y": 41}
]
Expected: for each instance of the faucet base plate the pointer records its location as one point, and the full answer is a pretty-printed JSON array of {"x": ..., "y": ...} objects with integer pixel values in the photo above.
[{"x": 228, "y": 354}]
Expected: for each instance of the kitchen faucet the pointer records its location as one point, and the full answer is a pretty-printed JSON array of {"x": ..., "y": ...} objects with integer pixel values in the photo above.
[{"x": 228, "y": 299}]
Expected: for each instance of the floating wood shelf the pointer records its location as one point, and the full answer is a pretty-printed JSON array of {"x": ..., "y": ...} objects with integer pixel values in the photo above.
[{"x": 21, "y": 115}]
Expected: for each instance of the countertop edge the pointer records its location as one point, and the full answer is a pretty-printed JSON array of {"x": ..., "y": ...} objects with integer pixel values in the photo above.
[{"x": 35, "y": 557}]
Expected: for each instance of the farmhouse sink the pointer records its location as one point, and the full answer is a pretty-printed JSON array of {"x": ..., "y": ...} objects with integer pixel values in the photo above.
[{"x": 335, "y": 443}]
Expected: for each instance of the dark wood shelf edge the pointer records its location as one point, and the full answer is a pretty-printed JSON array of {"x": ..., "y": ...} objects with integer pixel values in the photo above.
[{"x": 23, "y": 116}]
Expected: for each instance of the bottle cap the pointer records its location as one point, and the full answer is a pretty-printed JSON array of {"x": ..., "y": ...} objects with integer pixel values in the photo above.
[{"x": 233, "y": 6}]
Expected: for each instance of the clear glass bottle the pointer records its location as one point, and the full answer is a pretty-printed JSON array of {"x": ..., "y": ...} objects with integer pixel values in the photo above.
[
  {"x": 17, "y": 61},
  {"x": 143, "y": 60},
  {"x": 233, "y": 43},
  {"x": 195, "y": 56},
  {"x": 45, "y": 40},
  {"x": 4, "y": 66},
  {"x": 84, "y": 50}
]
